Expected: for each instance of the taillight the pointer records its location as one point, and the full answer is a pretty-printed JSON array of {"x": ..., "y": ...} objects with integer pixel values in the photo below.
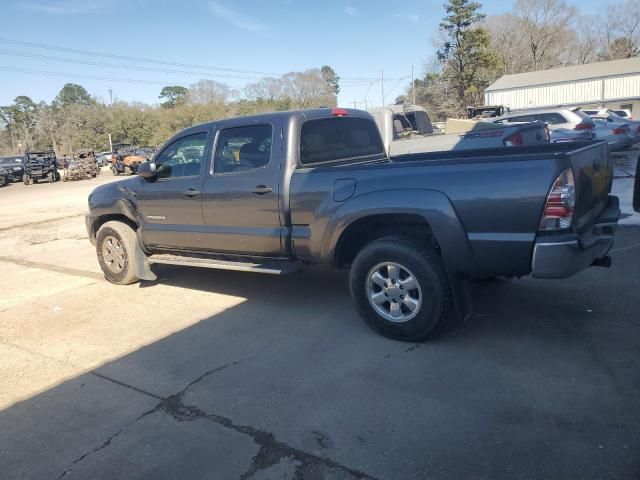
[
  {"x": 561, "y": 201},
  {"x": 513, "y": 140},
  {"x": 339, "y": 112},
  {"x": 583, "y": 126},
  {"x": 618, "y": 131}
]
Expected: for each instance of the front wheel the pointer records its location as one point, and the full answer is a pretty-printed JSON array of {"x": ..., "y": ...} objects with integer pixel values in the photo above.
[
  {"x": 400, "y": 288},
  {"x": 115, "y": 246}
]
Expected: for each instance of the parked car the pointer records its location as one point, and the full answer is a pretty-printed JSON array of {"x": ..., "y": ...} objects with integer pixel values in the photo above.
[
  {"x": 634, "y": 126},
  {"x": 402, "y": 136},
  {"x": 556, "y": 118},
  {"x": 616, "y": 134},
  {"x": 271, "y": 193},
  {"x": 562, "y": 135},
  {"x": 103, "y": 159},
  {"x": 4, "y": 177},
  {"x": 14, "y": 166},
  {"x": 622, "y": 113}
]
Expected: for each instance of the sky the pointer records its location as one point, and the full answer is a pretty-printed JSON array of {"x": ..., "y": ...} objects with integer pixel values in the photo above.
[{"x": 115, "y": 45}]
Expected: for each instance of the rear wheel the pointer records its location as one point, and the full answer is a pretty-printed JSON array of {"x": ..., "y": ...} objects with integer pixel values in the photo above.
[
  {"x": 400, "y": 288},
  {"x": 115, "y": 246}
]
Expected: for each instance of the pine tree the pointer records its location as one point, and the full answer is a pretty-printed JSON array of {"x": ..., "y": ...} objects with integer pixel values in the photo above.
[{"x": 466, "y": 53}]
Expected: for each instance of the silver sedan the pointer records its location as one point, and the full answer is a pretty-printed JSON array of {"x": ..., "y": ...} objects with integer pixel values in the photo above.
[{"x": 616, "y": 134}]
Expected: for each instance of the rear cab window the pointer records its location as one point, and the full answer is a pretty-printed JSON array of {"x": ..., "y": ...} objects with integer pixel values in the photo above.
[{"x": 333, "y": 139}]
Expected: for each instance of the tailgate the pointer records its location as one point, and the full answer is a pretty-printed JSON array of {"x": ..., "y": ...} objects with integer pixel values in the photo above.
[{"x": 593, "y": 175}]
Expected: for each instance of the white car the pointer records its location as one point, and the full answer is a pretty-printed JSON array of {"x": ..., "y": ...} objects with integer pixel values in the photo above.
[{"x": 623, "y": 112}]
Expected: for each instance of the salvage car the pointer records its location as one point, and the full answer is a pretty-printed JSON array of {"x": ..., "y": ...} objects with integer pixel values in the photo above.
[
  {"x": 273, "y": 193},
  {"x": 39, "y": 166},
  {"x": 84, "y": 166},
  {"x": 14, "y": 165}
]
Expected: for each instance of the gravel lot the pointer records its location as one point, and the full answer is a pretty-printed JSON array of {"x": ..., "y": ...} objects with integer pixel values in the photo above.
[{"x": 228, "y": 375}]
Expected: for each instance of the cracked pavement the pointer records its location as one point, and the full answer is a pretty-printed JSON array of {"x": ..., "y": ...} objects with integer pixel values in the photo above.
[{"x": 229, "y": 375}]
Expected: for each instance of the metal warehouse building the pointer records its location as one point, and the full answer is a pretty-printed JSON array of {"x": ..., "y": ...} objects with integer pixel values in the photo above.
[{"x": 614, "y": 84}]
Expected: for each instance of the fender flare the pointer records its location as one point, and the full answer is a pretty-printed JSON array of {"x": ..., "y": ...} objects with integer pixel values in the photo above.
[{"x": 439, "y": 213}]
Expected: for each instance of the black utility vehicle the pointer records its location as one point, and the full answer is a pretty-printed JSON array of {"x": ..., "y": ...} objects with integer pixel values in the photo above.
[{"x": 40, "y": 166}]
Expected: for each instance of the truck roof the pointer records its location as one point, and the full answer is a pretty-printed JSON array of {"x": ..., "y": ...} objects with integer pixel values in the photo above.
[{"x": 303, "y": 114}]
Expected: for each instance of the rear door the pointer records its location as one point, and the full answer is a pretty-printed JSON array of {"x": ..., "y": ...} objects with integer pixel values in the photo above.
[
  {"x": 171, "y": 204},
  {"x": 240, "y": 193}
]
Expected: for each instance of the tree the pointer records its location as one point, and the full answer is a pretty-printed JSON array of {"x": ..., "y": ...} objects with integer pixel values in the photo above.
[
  {"x": 174, "y": 95},
  {"x": 621, "y": 37},
  {"x": 546, "y": 28},
  {"x": 73, "y": 94},
  {"x": 466, "y": 54},
  {"x": 208, "y": 91},
  {"x": 331, "y": 77},
  {"x": 20, "y": 121}
]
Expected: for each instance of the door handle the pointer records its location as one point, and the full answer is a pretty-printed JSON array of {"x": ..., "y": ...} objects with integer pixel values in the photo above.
[
  {"x": 191, "y": 192},
  {"x": 262, "y": 190}
]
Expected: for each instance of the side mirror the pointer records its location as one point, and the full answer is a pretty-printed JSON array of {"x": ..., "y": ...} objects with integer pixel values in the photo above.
[{"x": 147, "y": 170}]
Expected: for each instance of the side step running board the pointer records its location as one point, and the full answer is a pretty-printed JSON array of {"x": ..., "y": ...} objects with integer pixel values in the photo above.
[{"x": 273, "y": 267}]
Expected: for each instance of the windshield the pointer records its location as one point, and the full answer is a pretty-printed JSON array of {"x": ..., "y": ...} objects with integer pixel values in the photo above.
[{"x": 7, "y": 160}]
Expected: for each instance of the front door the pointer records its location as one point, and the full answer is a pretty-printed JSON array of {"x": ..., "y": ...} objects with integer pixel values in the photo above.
[
  {"x": 171, "y": 203},
  {"x": 240, "y": 193}
]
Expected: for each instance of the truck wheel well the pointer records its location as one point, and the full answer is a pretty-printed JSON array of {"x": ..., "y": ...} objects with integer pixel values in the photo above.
[
  {"x": 367, "y": 229},
  {"x": 108, "y": 218}
]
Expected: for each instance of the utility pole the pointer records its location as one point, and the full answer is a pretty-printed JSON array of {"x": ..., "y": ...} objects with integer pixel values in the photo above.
[
  {"x": 110, "y": 144},
  {"x": 355, "y": 104},
  {"x": 110, "y": 96},
  {"x": 382, "y": 85},
  {"x": 413, "y": 87}
]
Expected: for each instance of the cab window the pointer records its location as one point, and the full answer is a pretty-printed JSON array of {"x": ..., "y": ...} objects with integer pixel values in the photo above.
[
  {"x": 183, "y": 157},
  {"x": 243, "y": 148},
  {"x": 338, "y": 138}
]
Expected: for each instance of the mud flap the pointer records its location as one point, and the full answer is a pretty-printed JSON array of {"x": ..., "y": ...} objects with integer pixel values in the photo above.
[
  {"x": 141, "y": 264},
  {"x": 461, "y": 296}
]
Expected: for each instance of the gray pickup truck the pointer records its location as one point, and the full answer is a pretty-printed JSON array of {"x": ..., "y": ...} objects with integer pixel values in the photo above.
[{"x": 271, "y": 193}]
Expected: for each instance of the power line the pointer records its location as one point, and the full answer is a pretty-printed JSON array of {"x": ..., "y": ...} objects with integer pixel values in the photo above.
[
  {"x": 94, "y": 77},
  {"x": 117, "y": 65},
  {"x": 123, "y": 57},
  {"x": 157, "y": 62}
]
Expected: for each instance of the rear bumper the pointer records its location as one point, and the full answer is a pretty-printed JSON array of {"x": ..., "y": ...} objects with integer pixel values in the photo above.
[{"x": 566, "y": 255}]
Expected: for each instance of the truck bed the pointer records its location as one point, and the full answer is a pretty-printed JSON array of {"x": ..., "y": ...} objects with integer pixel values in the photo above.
[{"x": 497, "y": 195}]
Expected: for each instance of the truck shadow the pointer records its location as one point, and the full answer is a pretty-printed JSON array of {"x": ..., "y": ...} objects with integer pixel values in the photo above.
[{"x": 547, "y": 368}]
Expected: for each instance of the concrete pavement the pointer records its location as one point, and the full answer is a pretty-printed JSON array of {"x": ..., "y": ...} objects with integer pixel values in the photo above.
[{"x": 229, "y": 375}]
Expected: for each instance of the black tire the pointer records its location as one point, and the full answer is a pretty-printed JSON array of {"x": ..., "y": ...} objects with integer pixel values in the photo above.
[
  {"x": 425, "y": 265},
  {"x": 124, "y": 272}
]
